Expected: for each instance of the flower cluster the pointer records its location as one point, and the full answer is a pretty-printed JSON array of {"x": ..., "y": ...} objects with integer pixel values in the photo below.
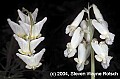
[
  {"x": 82, "y": 33},
  {"x": 27, "y": 34}
]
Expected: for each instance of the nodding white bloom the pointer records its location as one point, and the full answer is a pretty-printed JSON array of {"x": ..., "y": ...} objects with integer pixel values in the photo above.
[
  {"x": 25, "y": 18},
  {"x": 86, "y": 30},
  {"x": 83, "y": 54},
  {"x": 101, "y": 50},
  {"x": 97, "y": 13},
  {"x": 103, "y": 30},
  {"x": 25, "y": 47},
  {"x": 17, "y": 29},
  {"x": 36, "y": 28},
  {"x": 76, "y": 39},
  {"x": 32, "y": 61},
  {"x": 71, "y": 28}
]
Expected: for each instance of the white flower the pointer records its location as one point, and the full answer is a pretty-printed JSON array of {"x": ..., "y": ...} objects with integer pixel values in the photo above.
[
  {"x": 33, "y": 61},
  {"x": 86, "y": 30},
  {"x": 76, "y": 39},
  {"x": 99, "y": 16},
  {"x": 97, "y": 13},
  {"x": 103, "y": 30},
  {"x": 17, "y": 29},
  {"x": 83, "y": 54},
  {"x": 25, "y": 18},
  {"x": 36, "y": 28},
  {"x": 71, "y": 28},
  {"x": 101, "y": 50},
  {"x": 25, "y": 47}
]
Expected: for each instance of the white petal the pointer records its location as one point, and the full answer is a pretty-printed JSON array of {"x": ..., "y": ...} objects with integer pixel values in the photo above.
[
  {"x": 67, "y": 29},
  {"x": 80, "y": 67},
  {"x": 81, "y": 53},
  {"x": 25, "y": 26},
  {"x": 97, "y": 13},
  {"x": 83, "y": 25},
  {"x": 104, "y": 47},
  {"x": 98, "y": 50},
  {"x": 86, "y": 62},
  {"x": 72, "y": 53},
  {"x": 78, "y": 19},
  {"x": 37, "y": 27},
  {"x": 35, "y": 43},
  {"x": 76, "y": 38},
  {"x": 28, "y": 67},
  {"x": 22, "y": 16},
  {"x": 110, "y": 40},
  {"x": 71, "y": 28},
  {"x": 24, "y": 45},
  {"x": 25, "y": 58},
  {"x": 66, "y": 53},
  {"x": 101, "y": 29},
  {"x": 69, "y": 52},
  {"x": 34, "y": 14},
  {"x": 38, "y": 56},
  {"x": 102, "y": 36},
  {"x": 104, "y": 23},
  {"x": 17, "y": 29},
  {"x": 98, "y": 58},
  {"x": 76, "y": 60},
  {"x": 106, "y": 65}
]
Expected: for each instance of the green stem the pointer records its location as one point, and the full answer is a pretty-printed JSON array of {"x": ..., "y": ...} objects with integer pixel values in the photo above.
[
  {"x": 92, "y": 64},
  {"x": 31, "y": 25},
  {"x": 91, "y": 29}
]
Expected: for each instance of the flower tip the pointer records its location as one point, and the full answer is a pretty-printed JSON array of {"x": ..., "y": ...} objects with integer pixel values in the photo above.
[
  {"x": 15, "y": 35},
  {"x": 45, "y": 19},
  {"x": 42, "y": 38},
  {"x": 8, "y": 20},
  {"x": 18, "y": 10},
  {"x": 94, "y": 5},
  {"x": 36, "y": 9},
  {"x": 18, "y": 54},
  {"x": 43, "y": 49},
  {"x": 65, "y": 53},
  {"x": 83, "y": 11}
]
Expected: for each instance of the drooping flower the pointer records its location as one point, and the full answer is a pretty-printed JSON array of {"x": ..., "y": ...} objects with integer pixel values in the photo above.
[
  {"x": 86, "y": 30},
  {"x": 101, "y": 50},
  {"x": 97, "y": 13},
  {"x": 32, "y": 61},
  {"x": 83, "y": 54},
  {"x": 36, "y": 28},
  {"x": 71, "y": 28},
  {"x": 76, "y": 39},
  {"x": 17, "y": 29},
  {"x": 27, "y": 47},
  {"x": 25, "y": 18},
  {"x": 103, "y": 30}
]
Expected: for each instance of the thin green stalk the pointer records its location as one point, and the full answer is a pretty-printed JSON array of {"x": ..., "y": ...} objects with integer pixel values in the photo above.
[
  {"x": 92, "y": 64},
  {"x": 31, "y": 25},
  {"x": 91, "y": 29}
]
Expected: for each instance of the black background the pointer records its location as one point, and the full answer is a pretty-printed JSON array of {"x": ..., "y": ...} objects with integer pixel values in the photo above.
[{"x": 60, "y": 13}]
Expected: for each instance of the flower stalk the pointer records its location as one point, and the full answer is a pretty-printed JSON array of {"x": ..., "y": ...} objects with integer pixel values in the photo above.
[
  {"x": 87, "y": 43},
  {"x": 31, "y": 25},
  {"x": 92, "y": 64},
  {"x": 27, "y": 34},
  {"x": 91, "y": 30}
]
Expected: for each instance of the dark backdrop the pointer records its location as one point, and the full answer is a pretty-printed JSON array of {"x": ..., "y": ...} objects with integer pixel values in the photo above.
[{"x": 60, "y": 13}]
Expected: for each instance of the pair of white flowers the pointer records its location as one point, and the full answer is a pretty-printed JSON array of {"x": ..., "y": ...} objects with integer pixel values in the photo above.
[
  {"x": 27, "y": 34},
  {"x": 82, "y": 38}
]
